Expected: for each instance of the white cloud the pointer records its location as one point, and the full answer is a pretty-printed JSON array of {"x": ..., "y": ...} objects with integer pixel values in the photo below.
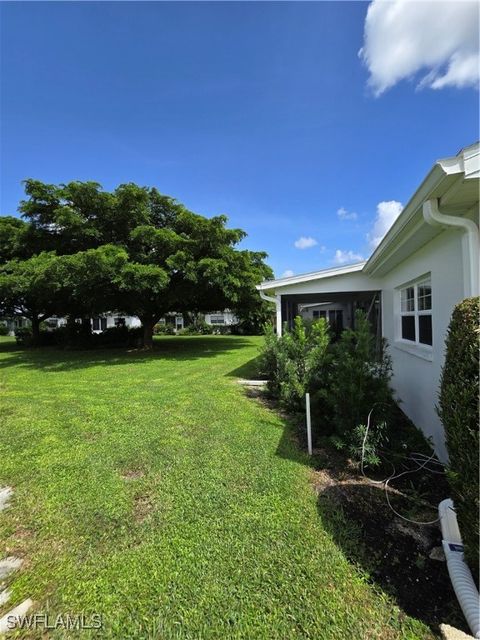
[
  {"x": 343, "y": 214},
  {"x": 345, "y": 257},
  {"x": 305, "y": 242},
  {"x": 438, "y": 38},
  {"x": 287, "y": 274},
  {"x": 387, "y": 213}
]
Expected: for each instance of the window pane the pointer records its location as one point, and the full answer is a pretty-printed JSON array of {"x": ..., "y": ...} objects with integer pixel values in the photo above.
[
  {"x": 408, "y": 299},
  {"x": 408, "y": 328},
  {"x": 424, "y": 296},
  {"x": 425, "y": 329}
]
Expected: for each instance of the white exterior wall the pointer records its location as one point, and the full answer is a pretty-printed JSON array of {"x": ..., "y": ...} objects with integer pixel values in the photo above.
[{"x": 417, "y": 370}]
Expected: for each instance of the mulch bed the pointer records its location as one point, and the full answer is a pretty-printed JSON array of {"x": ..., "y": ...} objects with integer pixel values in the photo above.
[{"x": 403, "y": 558}]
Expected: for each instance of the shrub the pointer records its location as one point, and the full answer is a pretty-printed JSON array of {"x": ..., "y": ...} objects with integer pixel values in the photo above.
[
  {"x": 296, "y": 363},
  {"x": 370, "y": 448},
  {"x": 458, "y": 410},
  {"x": 359, "y": 381},
  {"x": 187, "y": 331},
  {"x": 3, "y": 330},
  {"x": 23, "y": 337},
  {"x": 164, "y": 329},
  {"x": 202, "y": 328},
  {"x": 345, "y": 381}
]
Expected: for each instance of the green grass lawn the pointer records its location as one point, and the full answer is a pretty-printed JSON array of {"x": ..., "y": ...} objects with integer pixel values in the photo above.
[{"x": 151, "y": 490}]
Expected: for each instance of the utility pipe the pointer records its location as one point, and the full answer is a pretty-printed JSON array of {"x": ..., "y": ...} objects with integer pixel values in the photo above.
[
  {"x": 309, "y": 424},
  {"x": 460, "y": 575},
  {"x": 278, "y": 306},
  {"x": 432, "y": 216}
]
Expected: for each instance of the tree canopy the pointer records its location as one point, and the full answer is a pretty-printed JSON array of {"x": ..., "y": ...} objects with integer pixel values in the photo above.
[{"x": 79, "y": 250}]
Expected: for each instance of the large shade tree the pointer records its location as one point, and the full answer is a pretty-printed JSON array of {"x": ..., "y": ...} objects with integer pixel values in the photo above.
[
  {"x": 153, "y": 254},
  {"x": 27, "y": 290}
]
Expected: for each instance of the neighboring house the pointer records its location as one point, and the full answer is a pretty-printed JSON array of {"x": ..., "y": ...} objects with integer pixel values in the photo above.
[
  {"x": 99, "y": 323},
  {"x": 13, "y": 323},
  {"x": 424, "y": 266},
  {"x": 224, "y": 318}
]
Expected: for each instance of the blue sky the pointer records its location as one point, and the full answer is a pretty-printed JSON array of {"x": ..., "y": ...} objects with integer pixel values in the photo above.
[{"x": 262, "y": 111}]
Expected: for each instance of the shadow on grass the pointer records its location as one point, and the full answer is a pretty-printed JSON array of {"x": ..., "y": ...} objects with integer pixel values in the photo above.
[
  {"x": 248, "y": 370},
  {"x": 394, "y": 554},
  {"x": 165, "y": 348}
]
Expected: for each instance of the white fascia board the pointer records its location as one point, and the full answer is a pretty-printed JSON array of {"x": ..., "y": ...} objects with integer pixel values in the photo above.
[
  {"x": 308, "y": 277},
  {"x": 441, "y": 172},
  {"x": 396, "y": 233}
]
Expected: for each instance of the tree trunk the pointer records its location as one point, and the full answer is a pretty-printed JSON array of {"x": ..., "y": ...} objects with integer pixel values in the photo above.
[
  {"x": 35, "y": 320},
  {"x": 147, "y": 324},
  {"x": 86, "y": 326}
]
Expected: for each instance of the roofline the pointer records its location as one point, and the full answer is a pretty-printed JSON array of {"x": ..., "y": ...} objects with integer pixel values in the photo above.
[
  {"x": 313, "y": 275},
  {"x": 434, "y": 178},
  {"x": 442, "y": 169}
]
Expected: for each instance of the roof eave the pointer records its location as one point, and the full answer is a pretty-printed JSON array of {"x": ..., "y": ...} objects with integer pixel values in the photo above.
[
  {"x": 268, "y": 285},
  {"x": 439, "y": 172}
]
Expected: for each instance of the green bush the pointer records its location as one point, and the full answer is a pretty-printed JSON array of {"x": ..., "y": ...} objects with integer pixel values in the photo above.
[
  {"x": 458, "y": 411},
  {"x": 359, "y": 381},
  {"x": 3, "y": 330},
  {"x": 164, "y": 329},
  {"x": 296, "y": 363},
  {"x": 345, "y": 379},
  {"x": 23, "y": 337}
]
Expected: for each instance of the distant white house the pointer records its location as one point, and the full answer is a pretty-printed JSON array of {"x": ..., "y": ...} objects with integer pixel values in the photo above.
[{"x": 424, "y": 266}]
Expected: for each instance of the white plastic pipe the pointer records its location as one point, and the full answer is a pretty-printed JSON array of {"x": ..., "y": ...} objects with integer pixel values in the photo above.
[
  {"x": 460, "y": 575},
  {"x": 309, "y": 424},
  {"x": 432, "y": 216}
]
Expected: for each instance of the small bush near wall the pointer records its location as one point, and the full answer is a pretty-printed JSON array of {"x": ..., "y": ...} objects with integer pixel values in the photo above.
[
  {"x": 345, "y": 379},
  {"x": 458, "y": 411},
  {"x": 359, "y": 381},
  {"x": 296, "y": 363},
  {"x": 3, "y": 330}
]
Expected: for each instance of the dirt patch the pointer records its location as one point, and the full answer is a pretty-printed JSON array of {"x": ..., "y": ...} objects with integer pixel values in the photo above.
[
  {"x": 397, "y": 555},
  {"x": 143, "y": 506},
  {"x": 133, "y": 474}
]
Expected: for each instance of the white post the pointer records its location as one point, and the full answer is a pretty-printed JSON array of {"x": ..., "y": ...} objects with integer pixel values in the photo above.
[
  {"x": 279, "y": 315},
  {"x": 309, "y": 424}
]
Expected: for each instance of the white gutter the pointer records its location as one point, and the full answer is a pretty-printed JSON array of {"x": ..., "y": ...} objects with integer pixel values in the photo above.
[
  {"x": 278, "y": 305},
  {"x": 460, "y": 574},
  {"x": 433, "y": 217}
]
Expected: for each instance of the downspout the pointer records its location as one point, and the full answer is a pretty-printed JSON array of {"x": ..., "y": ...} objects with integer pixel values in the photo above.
[
  {"x": 432, "y": 216},
  {"x": 278, "y": 306}
]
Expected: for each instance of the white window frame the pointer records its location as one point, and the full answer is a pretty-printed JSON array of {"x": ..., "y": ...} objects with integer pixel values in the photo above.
[{"x": 415, "y": 313}]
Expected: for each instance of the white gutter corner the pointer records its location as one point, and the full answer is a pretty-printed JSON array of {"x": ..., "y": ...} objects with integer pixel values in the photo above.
[
  {"x": 433, "y": 217},
  {"x": 278, "y": 305}
]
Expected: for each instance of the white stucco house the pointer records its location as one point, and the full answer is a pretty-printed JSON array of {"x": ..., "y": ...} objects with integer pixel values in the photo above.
[{"x": 427, "y": 263}]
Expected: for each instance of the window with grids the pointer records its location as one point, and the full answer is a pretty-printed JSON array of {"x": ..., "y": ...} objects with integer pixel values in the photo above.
[
  {"x": 416, "y": 312},
  {"x": 217, "y": 319}
]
